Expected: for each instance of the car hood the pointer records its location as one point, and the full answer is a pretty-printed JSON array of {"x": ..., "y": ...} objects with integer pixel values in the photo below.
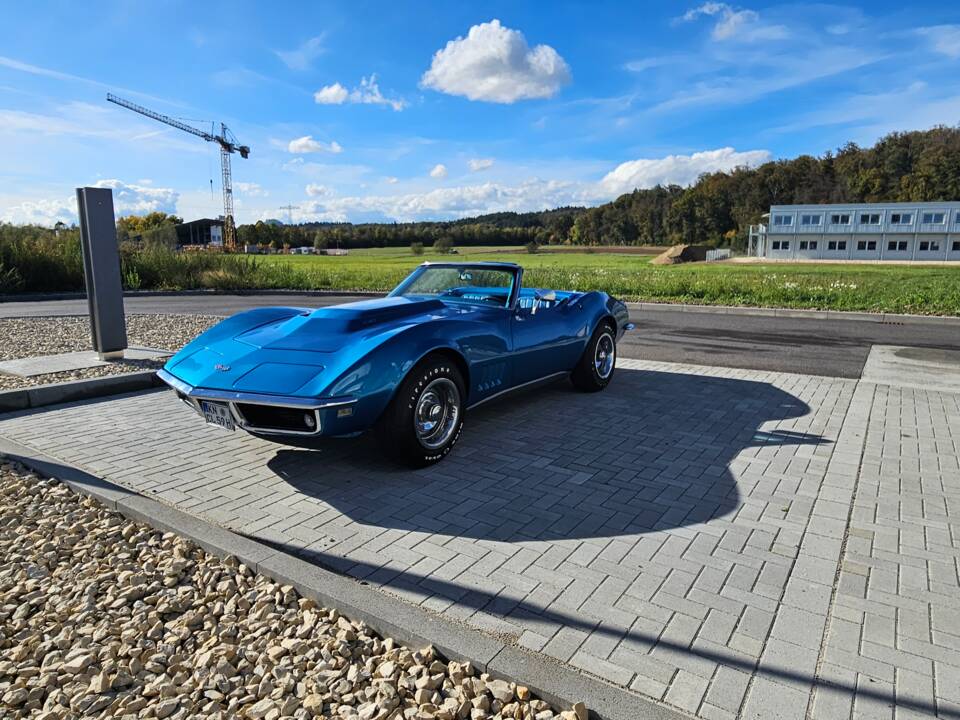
[
  {"x": 331, "y": 328},
  {"x": 283, "y": 353}
]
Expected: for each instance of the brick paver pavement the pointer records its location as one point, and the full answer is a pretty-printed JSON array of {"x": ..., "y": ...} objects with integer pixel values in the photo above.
[{"x": 733, "y": 543}]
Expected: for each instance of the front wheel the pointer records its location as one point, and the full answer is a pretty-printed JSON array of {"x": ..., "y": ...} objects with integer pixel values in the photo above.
[
  {"x": 595, "y": 368},
  {"x": 423, "y": 421}
]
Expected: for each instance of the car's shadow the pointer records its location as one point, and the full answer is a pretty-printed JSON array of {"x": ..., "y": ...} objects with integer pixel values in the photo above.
[{"x": 649, "y": 453}]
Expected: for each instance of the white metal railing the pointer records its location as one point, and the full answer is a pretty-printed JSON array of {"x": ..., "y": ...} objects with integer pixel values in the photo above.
[{"x": 718, "y": 254}]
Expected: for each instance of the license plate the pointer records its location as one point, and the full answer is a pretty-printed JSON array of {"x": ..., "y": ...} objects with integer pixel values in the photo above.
[{"x": 217, "y": 414}]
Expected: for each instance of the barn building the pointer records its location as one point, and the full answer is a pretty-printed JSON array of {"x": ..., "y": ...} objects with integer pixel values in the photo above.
[{"x": 860, "y": 231}]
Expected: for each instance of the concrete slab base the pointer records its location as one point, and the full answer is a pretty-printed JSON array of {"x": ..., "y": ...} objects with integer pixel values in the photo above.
[
  {"x": 913, "y": 367},
  {"x": 65, "y": 362}
]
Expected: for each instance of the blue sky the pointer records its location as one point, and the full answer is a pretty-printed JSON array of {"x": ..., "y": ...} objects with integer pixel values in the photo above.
[{"x": 403, "y": 111}]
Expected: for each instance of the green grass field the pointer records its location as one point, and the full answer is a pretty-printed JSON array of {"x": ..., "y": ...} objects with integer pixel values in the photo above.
[{"x": 872, "y": 288}]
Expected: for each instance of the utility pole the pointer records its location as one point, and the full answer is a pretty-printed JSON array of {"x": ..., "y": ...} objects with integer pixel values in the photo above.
[{"x": 289, "y": 209}]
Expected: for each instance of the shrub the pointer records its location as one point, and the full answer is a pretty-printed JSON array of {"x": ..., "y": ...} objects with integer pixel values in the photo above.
[
  {"x": 533, "y": 247},
  {"x": 416, "y": 248},
  {"x": 443, "y": 245}
]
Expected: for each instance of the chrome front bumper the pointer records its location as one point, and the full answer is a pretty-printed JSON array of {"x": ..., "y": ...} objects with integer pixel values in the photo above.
[{"x": 192, "y": 396}]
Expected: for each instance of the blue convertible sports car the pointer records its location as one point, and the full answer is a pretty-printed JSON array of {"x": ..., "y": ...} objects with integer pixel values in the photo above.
[{"x": 449, "y": 337}]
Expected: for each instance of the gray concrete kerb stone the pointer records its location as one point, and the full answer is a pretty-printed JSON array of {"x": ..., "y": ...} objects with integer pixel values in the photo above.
[
  {"x": 64, "y": 392},
  {"x": 800, "y": 313},
  {"x": 411, "y": 625}
]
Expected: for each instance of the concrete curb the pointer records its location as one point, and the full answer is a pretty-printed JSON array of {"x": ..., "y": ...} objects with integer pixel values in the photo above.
[
  {"x": 56, "y": 393},
  {"x": 885, "y": 318},
  {"x": 411, "y": 625}
]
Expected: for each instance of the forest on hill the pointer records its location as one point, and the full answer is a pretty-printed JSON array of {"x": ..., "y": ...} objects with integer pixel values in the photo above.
[{"x": 718, "y": 209}]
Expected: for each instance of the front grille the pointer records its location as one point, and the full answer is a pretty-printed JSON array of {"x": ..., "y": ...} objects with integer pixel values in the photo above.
[{"x": 271, "y": 417}]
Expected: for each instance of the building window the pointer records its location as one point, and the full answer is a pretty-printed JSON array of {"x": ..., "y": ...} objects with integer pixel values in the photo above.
[
  {"x": 842, "y": 245},
  {"x": 892, "y": 245},
  {"x": 899, "y": 246},
  {"x": 870, "y": 219},
  {"x": 785, "y": 245},
  {"x": 813, "y": 244},
  {"x": 775, "y": 245},
  {"x": 901, "y": 218},
  {"x": 871, "y": 245},
  {"x": 956, "y": 246},
  {"x": 934, "y": 246},
  {"x": 840, "y": 219},
  {"x": 803, "y": 244},
  {"x": 783, "y": 220},
  {"x": 810, "y": 219},
  {"x": 862, "y": 245},
  {"x": 831, "y": 245},
  {"x": 933, "y": 218},
  {"x": 924, "y": 246}
]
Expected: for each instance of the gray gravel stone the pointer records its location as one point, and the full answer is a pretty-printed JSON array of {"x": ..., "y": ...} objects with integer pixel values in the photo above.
[{"x": 106, "y": 617}]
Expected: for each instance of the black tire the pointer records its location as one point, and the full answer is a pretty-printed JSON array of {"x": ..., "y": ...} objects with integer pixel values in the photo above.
[
  {"x": 432, "y": 392},
  {"x": 597, "y": 364}
]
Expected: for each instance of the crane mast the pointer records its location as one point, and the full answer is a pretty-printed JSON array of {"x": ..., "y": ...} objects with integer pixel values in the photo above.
[{"x": 228, "y": 145}]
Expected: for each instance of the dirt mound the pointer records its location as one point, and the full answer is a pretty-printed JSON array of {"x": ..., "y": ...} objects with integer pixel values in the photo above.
[{"x": 681, "y": 254}]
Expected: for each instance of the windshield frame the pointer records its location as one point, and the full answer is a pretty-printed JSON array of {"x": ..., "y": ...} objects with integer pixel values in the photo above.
[{"x": 514, "y": 270}]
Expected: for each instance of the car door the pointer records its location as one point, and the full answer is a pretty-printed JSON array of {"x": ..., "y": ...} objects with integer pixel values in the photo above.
[{"x": 545, "y": 341}]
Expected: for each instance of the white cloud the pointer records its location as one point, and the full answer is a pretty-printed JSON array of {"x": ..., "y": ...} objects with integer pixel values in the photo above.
[
  {"x": 335, "y": 94},
  {"x": 439, "y": 171},
  {"x": 14, "y": 64},
  {"x": 317, "y": 190},
  {"x": 250, "y": 188},
  {"x": 307, "y": 144},
  {"x": 367, "y": 93},
  {"x": 495, "y": 64},
  {"x": 391, "y": 180},
  {"x": 533, "y": 194},
  {"x": 41, "y": 212},
  {"x": 945, "y": 39},
  {"x": 478, "y": 164},
  {"x": 735, "y": 23},
  {"x": 138, "y": 199},
  {"x": 128, "y": 199},
  {"x": 453, "y": 202},
  {"x": 676, "y": 169},
  {"x": 303, "y": 56}
]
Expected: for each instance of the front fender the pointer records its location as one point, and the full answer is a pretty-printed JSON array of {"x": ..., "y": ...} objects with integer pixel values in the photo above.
[{"x": 374, "y": 375}]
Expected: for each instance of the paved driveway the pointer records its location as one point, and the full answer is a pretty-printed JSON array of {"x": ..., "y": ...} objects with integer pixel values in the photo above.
[{"x": 734, "y": 543}]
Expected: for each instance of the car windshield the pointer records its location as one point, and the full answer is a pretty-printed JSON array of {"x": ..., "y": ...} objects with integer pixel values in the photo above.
[{"x": 491, "y": 286}]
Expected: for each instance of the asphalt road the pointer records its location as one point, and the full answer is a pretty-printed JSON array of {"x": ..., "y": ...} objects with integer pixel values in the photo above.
[{"x": 836, "y": 348}]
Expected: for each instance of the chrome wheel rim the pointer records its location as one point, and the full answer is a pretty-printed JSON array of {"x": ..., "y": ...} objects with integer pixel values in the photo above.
[
  {"x": 605, "y": 355},
  {"x": 437, "y": 413}
]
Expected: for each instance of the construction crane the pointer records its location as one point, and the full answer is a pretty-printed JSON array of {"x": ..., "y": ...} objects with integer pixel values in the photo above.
[{"x": 228, "y": 145}]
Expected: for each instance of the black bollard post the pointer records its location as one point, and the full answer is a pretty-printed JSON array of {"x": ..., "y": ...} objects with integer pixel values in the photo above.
[{"x": 101, "y": 271}]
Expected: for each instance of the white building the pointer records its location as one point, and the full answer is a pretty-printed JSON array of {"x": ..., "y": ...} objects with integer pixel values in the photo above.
[{"x": 860, "y": 231}]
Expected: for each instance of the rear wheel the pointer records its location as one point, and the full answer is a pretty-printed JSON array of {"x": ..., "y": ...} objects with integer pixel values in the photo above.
[
  {"x": 423, "y": 421},
  {"x": 598, "y": 362}
]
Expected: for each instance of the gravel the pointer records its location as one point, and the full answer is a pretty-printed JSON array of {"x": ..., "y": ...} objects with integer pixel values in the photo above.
[
  {"x": 27, "y": 337},
  {"x": 101, "y": 617}
]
